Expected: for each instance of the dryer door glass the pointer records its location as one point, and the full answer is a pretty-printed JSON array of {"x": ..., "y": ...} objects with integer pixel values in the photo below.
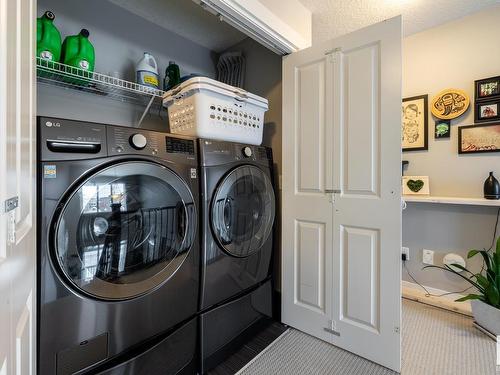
[
  {"x": 125, "y": 231},
  {"x": 243, "y": 211}
]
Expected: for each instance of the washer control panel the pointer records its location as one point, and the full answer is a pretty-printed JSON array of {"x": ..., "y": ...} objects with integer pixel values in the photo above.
[
  {"x": 62, "y": 139},
  {"x": 247, "y": 152},
  {"x": 179, "y": 146},
  {"x": 138, "y": 141},
  {"x": 123, "y": 140}
]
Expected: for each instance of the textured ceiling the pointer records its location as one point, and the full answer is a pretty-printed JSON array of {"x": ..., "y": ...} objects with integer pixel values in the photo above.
[
  {"x": 332, "y": 18},
  {"x": 186, "y": 18}
]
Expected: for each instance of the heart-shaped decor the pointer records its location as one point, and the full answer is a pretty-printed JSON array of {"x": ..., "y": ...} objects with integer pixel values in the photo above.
[{"x": 415, "y": 185}]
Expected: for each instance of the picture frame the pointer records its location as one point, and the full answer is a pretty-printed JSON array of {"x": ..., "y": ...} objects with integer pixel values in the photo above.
[
  {"x": 487, "y": 111},
  {"x": 442, "y": 129},
  {"x": 449, "y": 104},
  {"x": 414, "y": 123},
  {"x": 416, "y": 185},
  {"x": 487, "y": 89},
  {"x": 483, "y": 138}
]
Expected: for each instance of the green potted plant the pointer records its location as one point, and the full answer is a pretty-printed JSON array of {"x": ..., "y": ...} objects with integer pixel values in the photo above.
[{"x": 485, "y": 302}]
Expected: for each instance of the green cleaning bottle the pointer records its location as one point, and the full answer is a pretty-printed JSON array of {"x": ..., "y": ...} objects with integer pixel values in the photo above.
[
  {"x": 172, "y": 76},
  {"x": 48, "y": 38},
  {"x": 77, "y": 51}
]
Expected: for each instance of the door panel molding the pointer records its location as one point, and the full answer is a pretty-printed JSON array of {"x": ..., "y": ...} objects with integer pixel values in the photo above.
[
  {"x": 310, "y": 126},
  {"x": 360, "y": 281},
  {"x": 309, "y": 265},
  {"x": 360, "y": 74}
]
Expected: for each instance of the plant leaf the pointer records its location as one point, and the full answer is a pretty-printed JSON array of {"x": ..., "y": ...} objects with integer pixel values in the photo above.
[
  {"x": 470, "y": 296},
  {"x": 492, "y": 295},
  {"x": 487, "y": 258},
  {"x": 483, "y": 281},
  {"x": 448, "y": 269},
  {"x": 491, "y": 276},
  {"x": 472, "y": 253},
  {"x": 459, "y": 266}
]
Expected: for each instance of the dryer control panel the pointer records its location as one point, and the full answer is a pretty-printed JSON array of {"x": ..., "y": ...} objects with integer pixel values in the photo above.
[{"x": 219, "y": 152}]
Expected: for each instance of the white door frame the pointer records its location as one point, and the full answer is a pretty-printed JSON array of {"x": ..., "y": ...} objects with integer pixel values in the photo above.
[{"x": 17, "y": 186}]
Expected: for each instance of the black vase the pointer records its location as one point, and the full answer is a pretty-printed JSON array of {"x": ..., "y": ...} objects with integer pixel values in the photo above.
[{"x": 491, "y": 187}]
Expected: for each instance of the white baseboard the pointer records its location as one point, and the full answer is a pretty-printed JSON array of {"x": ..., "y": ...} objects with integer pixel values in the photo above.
[{"x": 416, "y": 293}]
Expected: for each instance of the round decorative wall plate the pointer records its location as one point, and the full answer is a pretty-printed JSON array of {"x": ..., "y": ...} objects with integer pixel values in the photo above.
[{"x": 450, "y": 104}]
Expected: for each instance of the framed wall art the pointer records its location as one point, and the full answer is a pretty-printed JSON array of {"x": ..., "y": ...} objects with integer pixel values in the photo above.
[
  {"x": 450, "y": 104},
  {"x": 416, "y": 185},
  {"x": 442, "y": 129},
  {"x": 479, "y": 138},
  {"x": 487, "y": 111},
  {"x": 415, "y": 123},
  {"x": 487, "y": 88}
]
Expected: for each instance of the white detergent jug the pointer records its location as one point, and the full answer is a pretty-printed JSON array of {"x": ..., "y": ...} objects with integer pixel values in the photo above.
[{"x": 147, "y": 71}]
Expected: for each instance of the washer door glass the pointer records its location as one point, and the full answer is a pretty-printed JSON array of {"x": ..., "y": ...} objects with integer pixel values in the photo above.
[
  {"x": 243, "y": 211},
  {"x": 125, "y": 230}
]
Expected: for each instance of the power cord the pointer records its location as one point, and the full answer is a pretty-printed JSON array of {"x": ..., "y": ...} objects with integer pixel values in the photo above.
[{"x": 429, "y": 294}]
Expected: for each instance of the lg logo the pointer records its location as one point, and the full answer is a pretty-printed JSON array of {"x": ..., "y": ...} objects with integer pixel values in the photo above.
[{"x": 50, "y": 124}]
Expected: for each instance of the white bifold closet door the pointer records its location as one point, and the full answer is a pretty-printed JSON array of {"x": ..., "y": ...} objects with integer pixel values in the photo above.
[{"x": 341, "y": 190}]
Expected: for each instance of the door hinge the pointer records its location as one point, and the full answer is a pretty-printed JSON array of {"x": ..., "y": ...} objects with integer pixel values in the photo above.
[
  {"x": 333, "y": 50},
  {"x": 396, "y": 329},
  {"x": 11, "y": 227},
  {"x": 331, "y": 328},
  {"x": 332, "y": 53},
  {"x": 11, "y": 204},
  {"x": 331, "y": 194}
]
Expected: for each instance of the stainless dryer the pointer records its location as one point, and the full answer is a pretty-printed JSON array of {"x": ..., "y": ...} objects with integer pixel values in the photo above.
[{"x": 238, "y": 212}]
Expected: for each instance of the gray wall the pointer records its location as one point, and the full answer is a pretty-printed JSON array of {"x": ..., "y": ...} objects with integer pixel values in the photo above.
[
  {"x": 119, "y": 38},
  {"x": 445, "y": 229},
  {"x": 452, "y": 55},
  {"x": 263, "y": 77}
]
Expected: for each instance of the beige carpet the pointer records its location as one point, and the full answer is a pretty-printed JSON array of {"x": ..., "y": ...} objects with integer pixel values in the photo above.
[{"x": 435, "y": 342}]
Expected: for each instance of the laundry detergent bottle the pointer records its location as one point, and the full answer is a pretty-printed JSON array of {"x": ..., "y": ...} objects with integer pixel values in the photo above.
[
  {"x": 77, "y": 51},
  {"x": 172, "y": 76},
  {"x": 48, "y": 38},
  {"x": 147, "y": 71}
]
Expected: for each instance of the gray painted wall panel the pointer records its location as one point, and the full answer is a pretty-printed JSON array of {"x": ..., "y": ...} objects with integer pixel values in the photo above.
[{"x": 444, "y": 229}]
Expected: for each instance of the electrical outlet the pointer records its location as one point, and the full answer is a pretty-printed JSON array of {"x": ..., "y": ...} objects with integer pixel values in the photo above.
[
  {"x": 428, "y": 256},
  {"x": 406, "y": 251}
]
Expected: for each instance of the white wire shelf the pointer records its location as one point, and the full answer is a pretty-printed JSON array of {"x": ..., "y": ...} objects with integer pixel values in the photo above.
[{"x": 54, "y": 73}]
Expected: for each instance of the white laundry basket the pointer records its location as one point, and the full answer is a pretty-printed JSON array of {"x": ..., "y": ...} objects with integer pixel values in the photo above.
[{"x": 206, "y": 108}]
